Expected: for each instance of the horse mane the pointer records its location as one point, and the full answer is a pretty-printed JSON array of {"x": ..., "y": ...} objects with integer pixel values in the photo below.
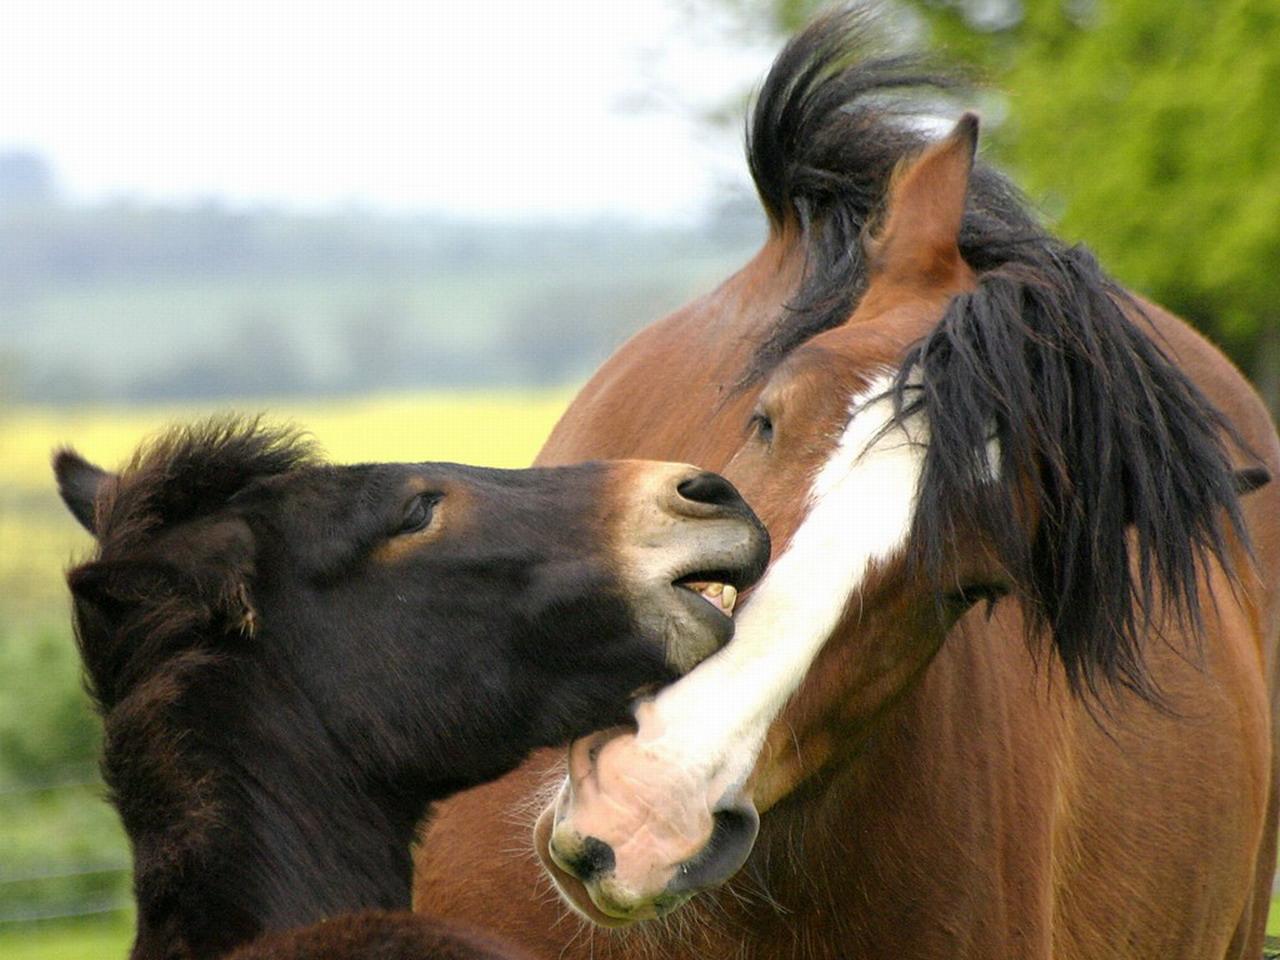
[
  {"x": 1119, "y": 458},
  {"x": 185, "y": 473},
  {"x": 190, "y": 469},
  {"x": 153, "y": 608},
  {"x": 830, "y": 125},
  {"x": 1130, "y": 478}
]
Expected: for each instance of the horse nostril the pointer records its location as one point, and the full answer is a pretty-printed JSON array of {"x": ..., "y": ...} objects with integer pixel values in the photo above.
[
  {"x": 731, "y": 840},
  {"x": 594, "y": 858},
  {"x": 711, "y": 489}
]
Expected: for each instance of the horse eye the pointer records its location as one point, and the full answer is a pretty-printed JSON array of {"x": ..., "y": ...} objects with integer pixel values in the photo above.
[
  {"x": 417, "y": 515},
  {"x": 762, "y": 425},
  {"x": 966, "y": 597}
]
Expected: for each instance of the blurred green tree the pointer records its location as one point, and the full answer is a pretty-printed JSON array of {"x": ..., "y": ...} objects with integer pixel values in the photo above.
[{"x": 1147, "y": 130}]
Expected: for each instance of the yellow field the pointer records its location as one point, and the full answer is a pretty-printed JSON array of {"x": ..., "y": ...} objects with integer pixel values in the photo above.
[{"x": 38, "y": 537}]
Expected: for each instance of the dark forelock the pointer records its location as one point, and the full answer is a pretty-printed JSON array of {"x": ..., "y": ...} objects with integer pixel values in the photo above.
[{"x": 829, "y": 126}]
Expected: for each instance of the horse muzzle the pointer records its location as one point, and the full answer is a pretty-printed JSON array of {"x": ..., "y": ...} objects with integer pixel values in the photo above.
[
  {"x": 629, "y": 840},
  {"x": 687, "y": 545}
]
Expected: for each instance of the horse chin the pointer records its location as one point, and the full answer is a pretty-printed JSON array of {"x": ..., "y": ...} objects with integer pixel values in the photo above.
[
  {"x": 583, "y": 901},
  {"x": 691, "y": 615}
]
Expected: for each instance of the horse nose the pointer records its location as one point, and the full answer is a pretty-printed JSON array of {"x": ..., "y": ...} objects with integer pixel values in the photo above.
[
  {"x": 732, "y": 837},
  {"x": 591, "y": 859},
  {"x": 712, "y": 490}
]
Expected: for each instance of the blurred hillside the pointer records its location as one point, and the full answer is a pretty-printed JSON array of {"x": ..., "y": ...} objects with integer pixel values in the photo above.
[{"x": 139, "y": 303}]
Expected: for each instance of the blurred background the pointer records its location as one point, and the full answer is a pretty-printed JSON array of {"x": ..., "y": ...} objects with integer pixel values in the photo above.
[{"x": 415, "y": 228}]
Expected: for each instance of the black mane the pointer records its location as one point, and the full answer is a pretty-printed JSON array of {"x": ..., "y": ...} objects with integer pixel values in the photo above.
[
  {"x": 1130, "y": 475},
  {"x": 181, "y": 475},
  {"x": 1049, "y": 356},
  {"x": 829, "y": 126}
]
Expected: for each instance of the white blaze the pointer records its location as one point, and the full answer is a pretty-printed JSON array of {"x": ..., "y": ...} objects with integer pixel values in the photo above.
[{"x": 712, "y": 723}]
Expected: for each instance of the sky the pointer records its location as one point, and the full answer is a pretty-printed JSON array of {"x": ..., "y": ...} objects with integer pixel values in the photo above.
[{"x": 485, "y": 109}]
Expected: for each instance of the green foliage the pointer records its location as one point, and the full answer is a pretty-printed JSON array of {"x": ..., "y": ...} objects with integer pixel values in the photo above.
[
  {"x": 61, "y": 846},
  {"x": 1151, "y": 129},
  {"x": 96, "y": 938},
  {"x": 46, "y": 724}
]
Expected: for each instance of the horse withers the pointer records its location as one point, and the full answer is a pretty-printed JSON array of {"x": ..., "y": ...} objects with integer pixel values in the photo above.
[
  {"x": 293, "y": 660},
  {"x": 1007, "y": 689}
]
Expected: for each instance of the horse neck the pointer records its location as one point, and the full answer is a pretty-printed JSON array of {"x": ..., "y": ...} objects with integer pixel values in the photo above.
[{"x": 271, "y": 832}]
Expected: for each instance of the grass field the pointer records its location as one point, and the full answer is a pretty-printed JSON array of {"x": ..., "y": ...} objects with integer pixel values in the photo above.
[{"x": 96, "y": 938}]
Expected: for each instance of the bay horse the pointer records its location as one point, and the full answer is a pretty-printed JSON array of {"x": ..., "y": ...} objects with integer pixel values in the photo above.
[
  {"x": 293, "y": 660},
  {"x": 1008, "y": 688}
]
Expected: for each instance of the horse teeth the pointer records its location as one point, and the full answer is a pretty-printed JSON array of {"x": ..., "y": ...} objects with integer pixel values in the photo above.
[
  {"x": 713, "y": 590},
  {"x": 729, "y": 598}
]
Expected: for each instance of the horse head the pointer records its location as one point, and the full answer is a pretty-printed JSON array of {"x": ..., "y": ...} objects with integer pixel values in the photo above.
[
  {"x": 963, "y": 435},
  {"x": 276, "y": 643}
]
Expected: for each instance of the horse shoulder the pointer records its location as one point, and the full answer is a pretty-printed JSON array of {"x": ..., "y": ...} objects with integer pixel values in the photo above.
[{"x": 663, "y": 392}]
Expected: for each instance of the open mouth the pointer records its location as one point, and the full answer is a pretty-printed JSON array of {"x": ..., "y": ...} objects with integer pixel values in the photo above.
[
  {"x": 709, "y": 598},
  {"x": 723, "y": 597}
]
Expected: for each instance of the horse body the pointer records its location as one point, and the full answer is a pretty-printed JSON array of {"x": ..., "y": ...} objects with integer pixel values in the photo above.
[
  {"x": 993, "y": 814},
  {"x": 983, "y": 809}
]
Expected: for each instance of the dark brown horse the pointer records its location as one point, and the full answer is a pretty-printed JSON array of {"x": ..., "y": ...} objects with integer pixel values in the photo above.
[
  {"x": 1007, "y": 689},
  {"x": 292, "y": 660}
]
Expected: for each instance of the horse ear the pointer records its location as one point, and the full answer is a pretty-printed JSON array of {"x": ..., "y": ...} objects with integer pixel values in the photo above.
[
  {"x": 198, "y": 573},
  {"x": 918, "y": 240},
  {"x": 79, "y": 483},
  {"x": 214, "y": 562}
]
